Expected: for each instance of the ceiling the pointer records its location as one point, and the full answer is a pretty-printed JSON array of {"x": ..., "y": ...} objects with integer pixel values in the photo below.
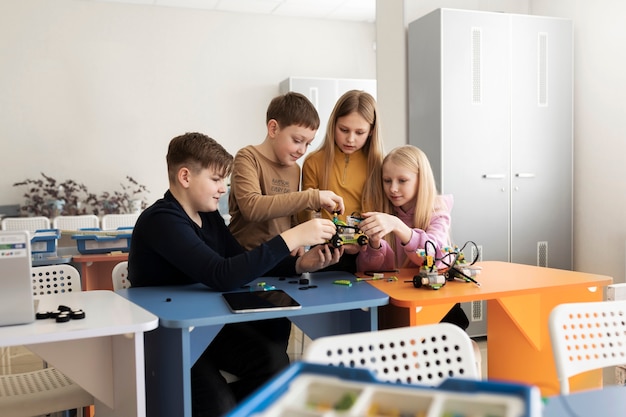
[{"x": 352, "y": 10}]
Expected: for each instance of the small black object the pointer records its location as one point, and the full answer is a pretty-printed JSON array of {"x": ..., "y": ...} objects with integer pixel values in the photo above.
[
  {"x": 303, "y": 281},
  {"x": 54, "y": 314},
  {"x": 63, "y": 317},
  {"x": 42, "y": 315},
  {"x": 77, "y": 314},
  {"x": 417, "y": 281},
  {"x": 282, "y": 278},
  {"x": 293, "y": 282},
  {"x": 168, "y": 299},
  {"x": 63, "y": 308}
]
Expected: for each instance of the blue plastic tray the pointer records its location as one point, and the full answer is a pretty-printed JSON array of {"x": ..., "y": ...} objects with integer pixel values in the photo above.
[
  {"x": 91, "y": 241},
  {"x": 306, "y": 389}
]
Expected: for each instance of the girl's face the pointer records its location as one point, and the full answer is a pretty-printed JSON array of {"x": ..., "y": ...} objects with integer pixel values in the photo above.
[
  {"x": 351, "y": 132},
  {"x": 400, "y": 185}
]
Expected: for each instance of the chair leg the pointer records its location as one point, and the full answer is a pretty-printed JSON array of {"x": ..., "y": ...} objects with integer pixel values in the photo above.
[{"x": 479, "y": 358}]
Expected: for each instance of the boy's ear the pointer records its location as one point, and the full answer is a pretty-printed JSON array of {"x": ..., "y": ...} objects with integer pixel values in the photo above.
[
  {"x": 272, "y": 128},
  {"x": 184, "y": 177}
]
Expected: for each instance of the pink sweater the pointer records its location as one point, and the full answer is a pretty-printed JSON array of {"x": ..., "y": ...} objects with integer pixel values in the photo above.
[{"x": 438, "y": 232}]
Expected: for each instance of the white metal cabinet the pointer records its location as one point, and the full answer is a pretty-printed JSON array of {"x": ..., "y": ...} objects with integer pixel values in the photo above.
[
  {"x": 541, "y": 138},
  {"x": 490, "y": 102}
]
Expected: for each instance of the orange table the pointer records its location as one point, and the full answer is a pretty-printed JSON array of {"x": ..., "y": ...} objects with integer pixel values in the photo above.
[
  {"x": 519, "y": 301},
  {"x": 96, "y": 269}
]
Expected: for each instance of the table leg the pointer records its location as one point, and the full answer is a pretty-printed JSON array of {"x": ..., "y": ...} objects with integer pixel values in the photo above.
[
  {"x": 391, "y": 316},
  {"x": 168, "y": 372},
  {"x": 97, "y": 275},
  {"x": 518, "y": 340}
]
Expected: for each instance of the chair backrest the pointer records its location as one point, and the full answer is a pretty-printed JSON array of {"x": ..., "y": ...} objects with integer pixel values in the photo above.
[
  {"x": 83, "y": 221},
  {"x": 587, "y": 336},
  {"x": 421, "y": 355},
  {"x": 120, "y": 276},
  {"x": 55, "y": 279},
  {"x": 113, "y": 221},
  {"x": 32, "y": 224}
]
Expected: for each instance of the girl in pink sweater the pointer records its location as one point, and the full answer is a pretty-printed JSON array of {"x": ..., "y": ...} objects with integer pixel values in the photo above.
[{"x": 412, "y": 214}]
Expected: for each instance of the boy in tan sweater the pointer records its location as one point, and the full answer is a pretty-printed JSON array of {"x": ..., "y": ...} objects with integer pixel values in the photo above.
[{"x": 265, "y": 195}]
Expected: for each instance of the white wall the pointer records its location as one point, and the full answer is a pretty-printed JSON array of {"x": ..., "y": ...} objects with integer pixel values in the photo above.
[{"x": 94, "y": 91}]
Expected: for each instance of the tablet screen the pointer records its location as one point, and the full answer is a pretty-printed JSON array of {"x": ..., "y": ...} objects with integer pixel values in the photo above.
[{"x": 249, "y": 301}]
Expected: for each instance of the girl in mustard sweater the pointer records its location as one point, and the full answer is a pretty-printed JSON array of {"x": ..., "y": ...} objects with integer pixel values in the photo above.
[{"x": 348, "y": 162}]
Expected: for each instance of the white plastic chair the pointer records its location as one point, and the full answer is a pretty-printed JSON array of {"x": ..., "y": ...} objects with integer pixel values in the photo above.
[
  {"x": 120, "y": 276},
  {"x": 32, "y": 224},
  {"x": 55, "y": 279},
  {"x": 421, "y": 355},
  {"x": 587, "y": 336},
  {"x": 83, "y": 221},
  {"x": 113, "y": 221},
  {"x": 46, "y": 390}
]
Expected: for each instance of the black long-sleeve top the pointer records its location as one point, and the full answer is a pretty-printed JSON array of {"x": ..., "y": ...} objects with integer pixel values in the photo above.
[{"x": 168, "y": 248}]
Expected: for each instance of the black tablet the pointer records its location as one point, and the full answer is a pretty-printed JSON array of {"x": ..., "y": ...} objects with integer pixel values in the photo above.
[{"x": 249, "y": 301}]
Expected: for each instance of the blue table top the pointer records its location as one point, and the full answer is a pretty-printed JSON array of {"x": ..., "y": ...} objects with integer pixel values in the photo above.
[{"x": 197, "y": 305}]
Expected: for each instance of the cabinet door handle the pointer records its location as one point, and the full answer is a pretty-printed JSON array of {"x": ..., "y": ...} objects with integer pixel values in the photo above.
[
  {"x": 525, "y": 175},
  {"x": 493, "y": 176}
]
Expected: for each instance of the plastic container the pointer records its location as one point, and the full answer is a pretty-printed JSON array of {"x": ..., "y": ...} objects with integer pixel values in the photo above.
[
  {"x": 309, "y": 390},
  {"x": 43, "y": 244},
  {"x": 90, "y": 241}
]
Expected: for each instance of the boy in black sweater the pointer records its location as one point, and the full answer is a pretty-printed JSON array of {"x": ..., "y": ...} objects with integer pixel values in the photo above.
[{"x": 182, "y": 239}]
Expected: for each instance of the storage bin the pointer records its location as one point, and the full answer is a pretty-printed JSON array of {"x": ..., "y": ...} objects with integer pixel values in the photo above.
[
  {"x": 313, "y": 390},
  {"x": 90, "y": 241},
  {"x": 43, "y": 244}
]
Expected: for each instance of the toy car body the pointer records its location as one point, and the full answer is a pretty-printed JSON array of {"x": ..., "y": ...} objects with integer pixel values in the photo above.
[{"x": 348, "y": 233}]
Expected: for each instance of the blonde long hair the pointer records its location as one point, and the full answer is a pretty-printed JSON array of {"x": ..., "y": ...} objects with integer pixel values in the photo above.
[
  {"x": 427, "y": 198},
  {"x": 365, "y": 105}
]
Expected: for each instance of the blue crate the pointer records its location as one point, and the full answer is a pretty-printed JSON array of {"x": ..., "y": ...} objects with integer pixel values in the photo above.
[
  {"x": 94, "y": 240},
  {"x": 44, "y": 243},
  {"x": 319, "y": 390}
]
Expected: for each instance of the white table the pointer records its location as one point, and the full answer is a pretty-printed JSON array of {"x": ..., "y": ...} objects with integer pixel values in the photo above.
[{"x": 103, "y": 353}]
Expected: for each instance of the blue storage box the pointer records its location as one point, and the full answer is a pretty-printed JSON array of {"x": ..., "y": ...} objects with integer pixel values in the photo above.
[
  {"x": 44, "y": 243},
  {"x": 306, "y": 389},
  {"x": 91, "y": 241}
]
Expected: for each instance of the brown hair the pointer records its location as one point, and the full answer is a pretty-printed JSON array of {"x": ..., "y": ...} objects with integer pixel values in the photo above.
[
  {"x": 293, "y": 109},
  {"x": 197, "y": 151}
]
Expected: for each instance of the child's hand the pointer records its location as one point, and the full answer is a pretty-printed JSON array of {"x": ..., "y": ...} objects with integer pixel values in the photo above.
[
  {"x": 318, "y": 257},
  {"x": 377, "y": 225},
  {"x": 309, "y": 233},
  {"x": 331, "y": 202},
  {"x": 351, "y": 248},
  {"x": 298, "y": 251},
  {"x": 374, "y": 243}
]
